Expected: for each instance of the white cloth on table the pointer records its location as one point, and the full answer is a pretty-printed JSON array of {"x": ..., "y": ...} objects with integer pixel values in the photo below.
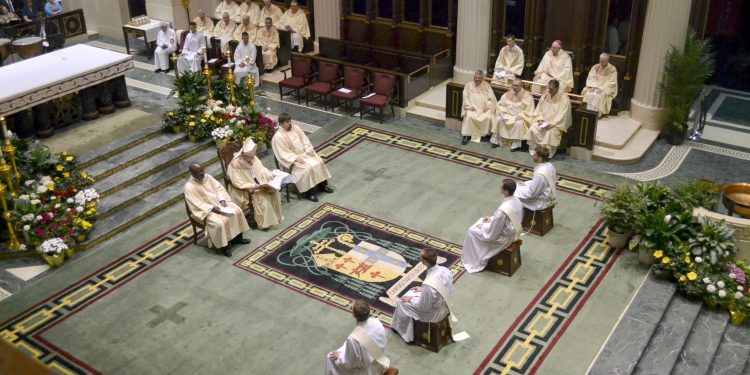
[
  {"x": 537, "y": 194},
  {"x": 161, "y": 53},
  {"x": 354, "y": 358},
  {"x": 426, "y": 305},
  {"x": 485, "y": 240},
  {"x": 192, "y": 53},
  {"x": 245, "y": 54}
]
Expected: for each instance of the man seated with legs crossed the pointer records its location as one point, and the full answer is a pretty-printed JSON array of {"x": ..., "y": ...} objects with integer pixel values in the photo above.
[{"x": 210, "y": 203}]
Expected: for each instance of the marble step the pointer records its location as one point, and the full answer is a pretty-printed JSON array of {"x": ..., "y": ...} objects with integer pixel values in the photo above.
[
  {"x": 631, "y": 152},
  {"x": 732, "y": 354},
  {"x": 426, "y": 113},
  {"x": 118, "y": 145},
  {"x": 133, "y": 154},
  {"x": 630, "y": 338},
  {"x": 702, "y": 343},
  {"x": 615, "y": 131},
  {"x": 668, "y": 340},
  {"x": 174, "y": 170}
]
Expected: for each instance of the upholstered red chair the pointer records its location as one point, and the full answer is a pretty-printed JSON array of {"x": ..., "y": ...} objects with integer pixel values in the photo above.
[
  {"x": 384, "y": 87},
  {"x": 328, "y": 74},
  {"x": 354, "y": 80},
  {"x": 302, "y": 74}
]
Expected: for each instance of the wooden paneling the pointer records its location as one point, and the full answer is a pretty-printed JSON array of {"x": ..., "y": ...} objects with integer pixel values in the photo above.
[
  {"x": 383, "y": 33},
  {"x": 356, "y": 29},
  {"x": 409, "y": 37}
]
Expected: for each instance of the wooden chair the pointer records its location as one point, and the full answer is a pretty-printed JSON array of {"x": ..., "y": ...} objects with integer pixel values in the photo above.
[
  {"x": 384, "y": 88},
  {"x": 195, "y": 223},
  {"x": 433, "y": 336},
  {"x": 391, "y": 371},
  {"x": 538, "y": 222},
  {"x": 354, "y": 80},
  {"x": 328, "y": 74},
  {"x": 302, "y": 74},
  {"x": 508, "y": 261},
  {"x": 226, "y": 153}
]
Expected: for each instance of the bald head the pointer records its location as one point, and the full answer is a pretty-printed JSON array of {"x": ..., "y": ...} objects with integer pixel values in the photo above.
[
  {"x": 604, "y": 60},
  {"x": 197, "y": 171},
  {"x": 517, "y": 85},
  {"x": 478, "y": 77},
  {"x": 225, "y": 17},
  {"x": 202, "y": 14}
]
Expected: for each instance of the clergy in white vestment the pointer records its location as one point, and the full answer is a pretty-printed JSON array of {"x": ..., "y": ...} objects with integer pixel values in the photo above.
[
  {"x": 478, "y": 109},
  {"x": 250, "y": 183},
  {"x": 555, "y": 64},
  {"x": 363, "y": 352},
  {"x": 509, "y": 63},
  {"x": 250, "y": 9},
  {"x": 244, "y": 61},
  {"x": 601, "y": 86},
  {"x": 425, "y": 303},
  {"x": 227, "y": 6},
  {"x": 295, "y": 21},
  {"x": 268, "y": 39},
  {"x": 224, "y": 31},
  {"x": 165, "y": 45},
  {"x": 270, "y": 10},
  {"x": 492, "y": 234},
  {"x": 296, "y": 154},
  {"x": 209, "y": 203},
  {"x": 515, "y": 109},
  {"x": 204, "y": 23},
  {"x": 192, "y": 51},
  {"x": 245, "y": 27},
  {"x": 552, "y": 118},
  {"x": 539, "y": 193}
]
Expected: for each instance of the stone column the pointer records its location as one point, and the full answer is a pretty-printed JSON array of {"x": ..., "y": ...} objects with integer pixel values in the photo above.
[
  {"x": 666, "y": 25},
  {"x": 327, "y": 19},
  {"x": 170, "y": 10},
  {"x": 473, "y": 39}
]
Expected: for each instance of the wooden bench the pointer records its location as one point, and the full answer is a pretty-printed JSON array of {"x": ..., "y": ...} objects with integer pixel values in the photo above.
[
  {"x": 538, "y": 222},
  {"x": 433, "y": 336},
  {"x": 508, "y": 261}
]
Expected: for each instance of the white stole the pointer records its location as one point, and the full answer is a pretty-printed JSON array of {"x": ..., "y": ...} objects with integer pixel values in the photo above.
[
  {"x": 364, "y": 339},
  {"x": 514, "y": 219},
  {"x": 552, "y": 183}
]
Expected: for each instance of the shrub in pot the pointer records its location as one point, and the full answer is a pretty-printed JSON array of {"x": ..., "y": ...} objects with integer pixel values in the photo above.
[{"x": 618, "y": 209}]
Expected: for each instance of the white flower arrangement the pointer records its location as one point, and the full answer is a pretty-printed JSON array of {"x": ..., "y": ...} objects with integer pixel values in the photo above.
[
  {"x": 86, "y": 195},
  {"x": 221, "y": 133},
  {"x": 706, "y": 280},
  {"x": 738, "y": 295},
  {"x": 208, "y": 112},
  {"x": 231, "y": 108},
  {"x": 70, "y": 201},
  {"x": 720, "y": 284},
  {"x": 38, "y": 217},
  {"x": 24, "y": 197},
  {"x": 41, "y": 189},
  {"x": 731, "y": 275},
  {"x": 711, "y": 288},
  {"x": 698, "y": 260},
  {"x": 740, "y": 288},
  {"x": 29, "y": 182},
  {"x": 722, "y": 293},
  {"x": 26, "y": 227},
  {"x": 79, "y": 208},
  {"x": 53, "y": 246},
  {"x": 35, "y": 201},
  {"x": 27, "y": 217}
]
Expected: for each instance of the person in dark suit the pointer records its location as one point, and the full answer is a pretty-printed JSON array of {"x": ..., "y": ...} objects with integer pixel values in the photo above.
[
  {"x": 27, "y": 12},
  {"x": 49, "y": 32}
]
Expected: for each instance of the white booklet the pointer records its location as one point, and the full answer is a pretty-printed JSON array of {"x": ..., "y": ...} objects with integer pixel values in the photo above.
[
  {"x": 226, "y": 210},
  {"x": 545, "y": 125},
  {"x": 344, "y": 90},
  {"x": 280, "y": 178},
  {"x": 367, "y": 96}
]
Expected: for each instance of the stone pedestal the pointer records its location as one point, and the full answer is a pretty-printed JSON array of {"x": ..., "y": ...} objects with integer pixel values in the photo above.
[
  {"x": 473, "y": 39},
  {"x": 666, "y": 25}
]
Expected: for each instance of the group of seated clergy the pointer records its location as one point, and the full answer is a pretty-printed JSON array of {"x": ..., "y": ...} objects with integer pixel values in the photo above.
[
  {"x": 222, "y": 211},
  {"x": 515, "y": 117}
]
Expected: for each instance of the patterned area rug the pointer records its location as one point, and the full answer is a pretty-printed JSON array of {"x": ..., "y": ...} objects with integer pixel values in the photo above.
[{"x": 336, "y": 255}]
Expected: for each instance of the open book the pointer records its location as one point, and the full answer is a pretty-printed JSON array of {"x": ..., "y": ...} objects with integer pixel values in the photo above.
[{"x": 280, "y": 178}]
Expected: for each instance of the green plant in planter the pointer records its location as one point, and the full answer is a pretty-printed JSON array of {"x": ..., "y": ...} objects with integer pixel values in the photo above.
[
  {"x": 654, "y": 195},
  {"x": 697, "y": 194},
  {"x": 714, "y": 241},
  {"x": 220, "y": 89},
  {"x": 658, "y": 230},
  {"x": 193, "y": 91},
  {"x": 619, "y": 207},
  {"x": 685, "y": 72}
]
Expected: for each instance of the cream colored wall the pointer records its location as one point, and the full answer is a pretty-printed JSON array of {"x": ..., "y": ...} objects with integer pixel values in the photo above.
[{"x": 103, "y": 16}]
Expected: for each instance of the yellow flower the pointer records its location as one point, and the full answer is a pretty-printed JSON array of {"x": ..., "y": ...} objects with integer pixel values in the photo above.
[
  {"x": 66, "y": 174},
  {"x": 59, "y": 168},
  {"x": 84, "y": 175},
  {"x": 203, "y": 120},
  {"x": 219, "y": 122},
  {"x": 69, "y": 158},
  {"x": 682, "y": 278},
  {"x": 170, "y": 114},
  {"x": 213, "y": 118},
  {"x": 192, "y": 116},
  {"x": 665, "y": 260},
  {"x": 692, "y": 276},
  {"x": 65, "y": 153},
  {"x": 687, "y": 259},
  {"x": 658, "y": 254},
  {"x": 191, "y": 123},
  {"x": 51, "y": 186}
]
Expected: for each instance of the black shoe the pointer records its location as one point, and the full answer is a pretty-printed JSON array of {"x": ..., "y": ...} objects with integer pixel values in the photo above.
[
  {"x": 326, "y": 189},
  {"x": 465, "y": 140},
  {"x": 157, "y": 71},
  {"x": 495, "y": 145},
  {"x": 311, "y": 197},
  {"x": 239, "y": 240},
  {"x": 295, "y": 49},
  {"x": 167, "y": 71},
  {"x": 515, "y": 149},
  {"x": 226, "y": 251},
  {"x": 269, "y": 70},
  {"x": 485, "y": 138}
]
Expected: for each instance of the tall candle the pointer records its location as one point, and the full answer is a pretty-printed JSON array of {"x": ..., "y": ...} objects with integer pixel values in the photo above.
[
  {"x": 205, "y": 56},
  {"x": 5, "y": 130}
]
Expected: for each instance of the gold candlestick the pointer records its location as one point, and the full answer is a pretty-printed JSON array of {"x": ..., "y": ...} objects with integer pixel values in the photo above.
[
  {"x": 9, "y": 149},
  {"x": 5, "y": 169},
  {"x": 174, "y": 63},
  {"x": 251, "y": 87},
  {"x": 207, "y": 74},
  {"x": 13, "y": 243},
  {"x": 230, "y": 78}
]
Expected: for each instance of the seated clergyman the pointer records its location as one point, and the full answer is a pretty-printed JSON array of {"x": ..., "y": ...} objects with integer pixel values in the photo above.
[
  {"x": 244, "y": 61},
  {"x": 426, "y": 303},
  {"x": 552, "y": 118},
  {"x": 509, "y": 63},
  {"x": 224, "y": 31},
  {"x": 295, "y": 21},
  {"x": 492, "y": 234},
  {"x": 363, "y": 351},
  {"x": 192, "y": 51},
  {"x": 601, "y": 86},
  {"x": 514, "y": 113},
  {"x": 250, "y": 182},
  {"x": 268, "y": 39},
  {"x": 296, "y": 154},
  {"x": 478, "y": 109},
  {"x": 539, "y": 193},
  {"x": 165, "y": 45},
  {"x": 209, "y": 202},
  {"x": 556, "y": 64}
]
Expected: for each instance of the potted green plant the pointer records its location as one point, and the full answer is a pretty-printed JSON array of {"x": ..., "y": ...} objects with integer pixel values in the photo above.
[
  {"x": 657, "y": 230},
  {"x": 697, "y": 194},
  {"x": 714, "y": 241},
  {"x": 685, "y": 72},
  {"x": 618, "y": 211}
]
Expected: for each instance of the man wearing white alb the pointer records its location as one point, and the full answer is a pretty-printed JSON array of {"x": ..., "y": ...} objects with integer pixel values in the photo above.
[
  {"x": 165, "y": 45},
  {"x": 244, "y": 61},
  {"x": 192, "y": 51},
  {"x": 363, "y": 352},
  {"x": 539, "y": 193},
  {"x": 490, "y": 235},
  {"x": 425, "y": 303}
]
